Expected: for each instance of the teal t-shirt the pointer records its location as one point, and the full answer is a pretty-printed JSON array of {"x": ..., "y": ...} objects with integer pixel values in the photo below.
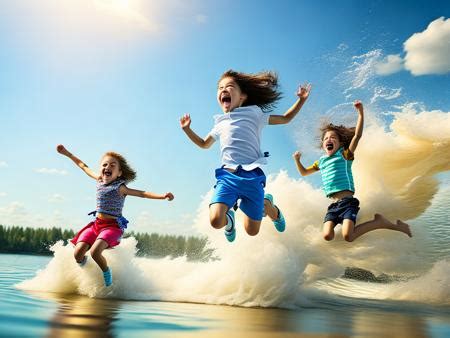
[{"x": 336, "y": 171}]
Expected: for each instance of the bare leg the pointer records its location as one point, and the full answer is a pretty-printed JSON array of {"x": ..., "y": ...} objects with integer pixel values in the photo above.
[
  {"x": 251, "y": 226},
  {"x": 328, "y": 230},
  {"x": 217, "y": 215},
  {"x": 80, "y": 250},
  {"x": 271, "y": 210},
  {"x": 351, "y": 233},
  {"x": 96, "y": 253}
]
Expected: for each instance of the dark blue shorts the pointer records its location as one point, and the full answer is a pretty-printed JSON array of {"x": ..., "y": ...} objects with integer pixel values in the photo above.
[
  {"x": 346, "y": 208},
  {"x": 248, "y": 186}
]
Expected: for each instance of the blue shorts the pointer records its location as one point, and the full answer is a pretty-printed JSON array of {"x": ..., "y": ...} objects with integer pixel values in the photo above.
[
  {"x": 346, "y": 208},
  {"x": 248, "y": 186}
]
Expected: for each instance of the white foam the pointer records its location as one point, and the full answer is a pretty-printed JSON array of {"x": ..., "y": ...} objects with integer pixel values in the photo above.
[{"x": 394, "y": 174}]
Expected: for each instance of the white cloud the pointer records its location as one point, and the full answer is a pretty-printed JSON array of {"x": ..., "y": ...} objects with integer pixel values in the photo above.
[
  {"x": 201, "y": 18},
  {"x": 3, "y": 194},
  {"x": 362, "y": 69},
  {"x": 428, "y": 52},
  {"x": 14, "y": 213},
  {"x": 389, "y": 65},
  {"x": 381, "y": 92},
  {"x": 55, "y": 198},
  {"x": 17, "y": 214},
  {"x": 51, "y": 171},
  {"x": 3, "y": 164}
]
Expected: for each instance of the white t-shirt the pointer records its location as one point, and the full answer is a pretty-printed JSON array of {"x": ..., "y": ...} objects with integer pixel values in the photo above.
[{"x": 239, "y": 133}]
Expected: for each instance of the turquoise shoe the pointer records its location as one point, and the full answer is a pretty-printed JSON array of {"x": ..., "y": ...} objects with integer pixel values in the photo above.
[
  {"x": 230, "y": 229},
  {"x": 107, "y": 276},
  {"x": 280, "y": 222}
]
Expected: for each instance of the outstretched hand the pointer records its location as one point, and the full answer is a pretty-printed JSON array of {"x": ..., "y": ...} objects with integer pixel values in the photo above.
[
  {"x": 62, "y": 150},
  {"x": 169, "y": 196},
  {"x": 185, "y": 121},
  {"x": 303, "y": 91},
  {"x": 358, "y": 105},
  {"x": 297, "y": 155}
]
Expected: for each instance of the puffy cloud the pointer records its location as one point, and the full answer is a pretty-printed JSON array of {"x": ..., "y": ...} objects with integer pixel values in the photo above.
[
  {"x": 428, "y": 52},
  {"x": 51, "y": 171},
  {"x": 56, "y": 198},
  {"x": 389, "y": 65}
]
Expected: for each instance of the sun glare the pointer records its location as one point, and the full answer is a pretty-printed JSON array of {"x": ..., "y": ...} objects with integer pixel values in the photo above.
[
  {"x": 125, "y": 9},
  {"x": 121, "y": 4}
]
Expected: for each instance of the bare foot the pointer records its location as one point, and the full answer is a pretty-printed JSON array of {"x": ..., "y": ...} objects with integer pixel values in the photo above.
[{"x": 404, "y": 227}]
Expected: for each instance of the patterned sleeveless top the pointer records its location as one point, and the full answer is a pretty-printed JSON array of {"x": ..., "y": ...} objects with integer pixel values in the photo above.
[
  {"x": 336, "y": 171},
  {"x": 109, "y": 200}
]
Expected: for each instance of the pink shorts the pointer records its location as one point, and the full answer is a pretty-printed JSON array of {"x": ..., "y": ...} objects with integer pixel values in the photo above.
[{"x": 106, "y": 229}]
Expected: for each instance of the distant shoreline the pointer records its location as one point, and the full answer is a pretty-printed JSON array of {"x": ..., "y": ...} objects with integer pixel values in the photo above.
[
  {"x": 37, "y": 241},
  {"x": 25, "y": 253}
]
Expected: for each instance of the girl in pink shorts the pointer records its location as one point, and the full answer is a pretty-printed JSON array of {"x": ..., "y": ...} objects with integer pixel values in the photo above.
[{"x": 107, "y": 229}]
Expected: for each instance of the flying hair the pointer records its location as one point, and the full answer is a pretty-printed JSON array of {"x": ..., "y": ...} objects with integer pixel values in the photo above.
[
  {"x": 128, "y": 173},
  {"x": 261, "y": 88},
  {"x": 344, "y": 133}
]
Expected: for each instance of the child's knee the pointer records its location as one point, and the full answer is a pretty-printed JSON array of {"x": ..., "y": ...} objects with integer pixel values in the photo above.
[
  {"x": 328, "y": 236},
  {"x": 96, "y": 252},
  {"x": 217, "y": 221},
  {"x": 347, "y": 237},
  {"x": 252, "y": 231},
  {"x": 78, "y": 254}
]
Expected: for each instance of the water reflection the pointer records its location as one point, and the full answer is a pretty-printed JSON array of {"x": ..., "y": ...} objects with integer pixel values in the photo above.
[{"x": 79, "y": 316}]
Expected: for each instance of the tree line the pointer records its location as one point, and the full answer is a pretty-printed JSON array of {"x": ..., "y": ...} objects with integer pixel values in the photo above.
[{"x": 15, "y": 239}]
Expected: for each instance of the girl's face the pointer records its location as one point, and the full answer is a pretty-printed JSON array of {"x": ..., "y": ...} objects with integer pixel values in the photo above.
[
  {"x": 229, "y": 95},
  {"x": 330, "y": 142},
  {"x": 110, "y": 169}
]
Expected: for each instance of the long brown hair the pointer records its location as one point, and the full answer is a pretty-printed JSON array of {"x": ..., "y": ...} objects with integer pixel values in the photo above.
[
  {"x": 344, "y": 133},
  {"x": 261, "y": 88},
  {"x": 128, "y": 173}
]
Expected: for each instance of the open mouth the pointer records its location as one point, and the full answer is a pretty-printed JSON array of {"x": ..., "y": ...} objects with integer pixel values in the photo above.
[
  {"x": 329, "y": 146},
  {"x": 107, "y": 173},
  {"x": 225, "y": 98}
]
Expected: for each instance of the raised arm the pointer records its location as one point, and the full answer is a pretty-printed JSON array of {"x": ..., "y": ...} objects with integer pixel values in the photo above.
[
  {"x": 301, "y": 169},
  {"x": 359, "y": 126},
  {"x": 302, "y": 94},
  {"x": 124, "y": 190},
  {"x": 185, "y": 123},
  {"x": 62, "y": 150}
]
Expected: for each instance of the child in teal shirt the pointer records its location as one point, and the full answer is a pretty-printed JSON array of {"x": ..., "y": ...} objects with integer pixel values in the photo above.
[{"x": 339, "y": 144}]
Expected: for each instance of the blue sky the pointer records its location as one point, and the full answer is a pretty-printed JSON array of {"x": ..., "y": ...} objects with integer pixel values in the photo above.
[{"x": 99, "y": 75}]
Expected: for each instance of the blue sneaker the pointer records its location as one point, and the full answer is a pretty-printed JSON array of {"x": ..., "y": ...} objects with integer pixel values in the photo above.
[
  {"x": 280, "y": 222},
  {"x": 107, "y": 276},
  {"x": 83, "y": 262},
  {"x": 230, "y": 229}
]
